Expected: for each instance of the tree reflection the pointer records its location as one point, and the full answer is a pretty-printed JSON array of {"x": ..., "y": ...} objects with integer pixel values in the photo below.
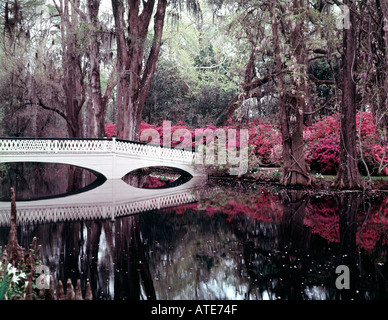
[
  {"x": 131, "y": 265},
  {"x": 293, "y": 244},
  {"x": 37, "y": 180},
  {"x": 349, "y": 209}
]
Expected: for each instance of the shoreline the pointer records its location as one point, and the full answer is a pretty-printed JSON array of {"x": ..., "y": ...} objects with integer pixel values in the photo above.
[{"x": 321, "y": 184}]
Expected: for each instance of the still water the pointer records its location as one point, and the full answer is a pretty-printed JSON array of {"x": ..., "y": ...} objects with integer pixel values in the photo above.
[{"x": 235, "y": 241}]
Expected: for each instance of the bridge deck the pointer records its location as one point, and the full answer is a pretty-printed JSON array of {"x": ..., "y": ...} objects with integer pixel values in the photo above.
[{"x": 111, "y": 157}]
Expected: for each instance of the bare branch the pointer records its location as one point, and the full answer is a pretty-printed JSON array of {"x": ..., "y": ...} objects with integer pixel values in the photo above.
[
  {"x": 315, "y": 79},
  {"x": 61, "y": 113}
]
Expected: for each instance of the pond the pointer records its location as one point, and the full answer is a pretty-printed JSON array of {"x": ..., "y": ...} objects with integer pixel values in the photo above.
[{"x": 230, "y": 240}]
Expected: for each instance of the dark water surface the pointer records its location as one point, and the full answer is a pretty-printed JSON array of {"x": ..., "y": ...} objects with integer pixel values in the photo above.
[{"x": 239, "y": 241}]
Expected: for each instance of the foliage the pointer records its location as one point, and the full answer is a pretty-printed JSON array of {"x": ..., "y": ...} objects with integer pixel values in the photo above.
[
  {"x": 110, "y": 130},
  {"x": 264, "y": 140},
  {"x": 197, "y": 72},
  {"x": 12, "y": 281},
  {"x": 324, "y": 155},
  {"x": 373, "y": 151},
  {"x": 322, "y": 144}
]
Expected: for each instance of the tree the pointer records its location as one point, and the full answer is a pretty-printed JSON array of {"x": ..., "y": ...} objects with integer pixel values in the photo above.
[
  {"x": 194, "y": 77},
  {"x": 248, "y": 26},
  {"x": 82, "y": 35},
  {"x": 98, "y": 101},
  {"x": 348, "y": 176},
  {"x": 73, "y": 72},
  {"x": 383, "y": 6},
  {"x": 251, "y": 89},
  {"x": 18, "y": 20},
  {"x": 132, "y": 20},
  {"x": 292, "y": 100},
  {"x": 372, "y": 58}
]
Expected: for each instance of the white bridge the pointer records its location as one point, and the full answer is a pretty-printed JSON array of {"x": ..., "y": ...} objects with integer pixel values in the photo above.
[
  {"x": 113, "y": 159},
  {"x": 110, "y": 157}
]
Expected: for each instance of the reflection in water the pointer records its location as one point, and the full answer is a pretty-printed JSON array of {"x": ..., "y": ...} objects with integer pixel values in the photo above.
[
  {"x": 245, "y": 242},
  {"x": 156, "y": 177},
  {"x": 37, "y": 180}
]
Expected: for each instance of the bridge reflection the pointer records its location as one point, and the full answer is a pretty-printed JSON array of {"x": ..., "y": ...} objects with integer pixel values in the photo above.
[{"x": 114, "y": 198}]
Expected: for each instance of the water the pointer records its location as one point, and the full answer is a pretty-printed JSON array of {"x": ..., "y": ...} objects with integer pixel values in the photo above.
[{"x": 236, "y": 241}]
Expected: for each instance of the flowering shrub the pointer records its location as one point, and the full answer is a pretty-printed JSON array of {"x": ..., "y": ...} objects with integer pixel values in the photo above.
[
  {"x": 322, "y": 145},
  {"x": 322, "y": 142},
  {"x": 178, "y": 126},
  {"x": 323, "y": 155},
  {"x": 329, "y": 125},
  {"x": 264, "y": 140},
  {"x": 110, "y": 130},
  {"x": 323, "y": 139},
  {"x": 378, "y": 153},
  {"x": 373, "y": 152}
]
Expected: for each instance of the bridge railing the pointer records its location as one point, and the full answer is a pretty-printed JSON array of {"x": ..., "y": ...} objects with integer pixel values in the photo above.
[
  {"x": 48, "y": 145},
  {"x": 53, "y": 145},
  {"x": 153, "y": 151},
  {"x": 98, "y": 211}
]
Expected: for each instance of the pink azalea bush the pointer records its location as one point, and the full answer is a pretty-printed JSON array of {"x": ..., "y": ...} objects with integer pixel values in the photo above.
[
  {"x": 156, "y": 182},
  {"x": 373, "y": 150},
  {"x": 110, "y": 130},
  {"x": 265, "y": 142},
  {"x": 322, "y": 145},
  {"x": 264, "y": 139},
  {"x": 322, "y": 142}
]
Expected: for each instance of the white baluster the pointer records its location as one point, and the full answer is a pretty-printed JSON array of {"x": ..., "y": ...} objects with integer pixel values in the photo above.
[{"x": 113, "y": 144}]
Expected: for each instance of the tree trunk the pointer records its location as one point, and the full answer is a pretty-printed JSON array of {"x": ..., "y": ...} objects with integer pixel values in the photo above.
[
  {"x": 14, "y": 251},
  {"x": 348, "y": 176},
  {"x": 98, "y": 103},
  {"x": 96, "y": 108},
  {"x": 73, "y": 83},
  {"x": 134, "y": 80},
  {"x": 384, "y": 71},
  {"x": 291, "y": 106}
]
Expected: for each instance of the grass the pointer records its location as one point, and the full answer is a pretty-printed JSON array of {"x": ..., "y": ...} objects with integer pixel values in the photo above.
[
  {"x": 385, "y": 178},
  {"x": 332, "y": 177}
]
